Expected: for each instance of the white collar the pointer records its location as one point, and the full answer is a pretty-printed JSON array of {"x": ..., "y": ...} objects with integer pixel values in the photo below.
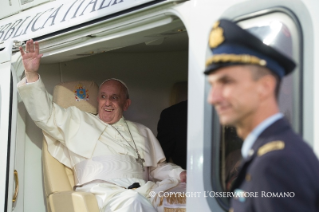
[{"x": 253, "y": 135}]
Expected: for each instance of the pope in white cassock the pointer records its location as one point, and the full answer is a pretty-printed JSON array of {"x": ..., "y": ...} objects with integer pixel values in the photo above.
[{"x": 107, "y": 153}]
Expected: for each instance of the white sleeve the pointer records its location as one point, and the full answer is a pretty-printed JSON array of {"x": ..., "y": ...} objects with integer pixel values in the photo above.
[
  {"x": 165, "y": 170},
  {"x": 70, "y": 126},
  {"x": 26, "y": 81},
  {"x": 48, "y": 116}
]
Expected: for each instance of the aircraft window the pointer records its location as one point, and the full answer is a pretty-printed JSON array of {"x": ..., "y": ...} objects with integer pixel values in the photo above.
[
  {"x": 280, "y": 31},
  {"x": 25, "y": 4},
  {"x": 25, "y": 1}
]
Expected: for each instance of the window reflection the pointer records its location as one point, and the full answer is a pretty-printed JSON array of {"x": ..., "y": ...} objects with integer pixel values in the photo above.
[{"x": 277, "y": 35}]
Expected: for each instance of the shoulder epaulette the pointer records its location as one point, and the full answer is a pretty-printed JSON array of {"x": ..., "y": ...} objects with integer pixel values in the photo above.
[{"x": 271, "y": 146}]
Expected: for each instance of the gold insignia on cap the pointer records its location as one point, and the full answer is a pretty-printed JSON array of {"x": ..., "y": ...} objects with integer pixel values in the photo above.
[
  {"x": 216, "y": 36},
  {"x": 233, "y": 58},
  {"x": 274, "y": 145},
  {"x": 231, "y": 210}
]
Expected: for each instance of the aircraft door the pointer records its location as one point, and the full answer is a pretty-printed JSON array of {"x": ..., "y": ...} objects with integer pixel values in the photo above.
[{"x": 8, "y": 176}]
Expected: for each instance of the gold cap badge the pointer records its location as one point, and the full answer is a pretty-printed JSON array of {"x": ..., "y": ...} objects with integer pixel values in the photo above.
[{"x": 216, "y": 36}]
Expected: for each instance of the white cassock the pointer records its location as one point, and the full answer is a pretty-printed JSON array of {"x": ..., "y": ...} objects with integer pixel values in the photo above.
[{"x": 103, "y": 162}]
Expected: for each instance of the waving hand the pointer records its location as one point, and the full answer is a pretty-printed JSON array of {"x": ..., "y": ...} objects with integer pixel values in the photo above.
[{"x": 31, "y": 60}]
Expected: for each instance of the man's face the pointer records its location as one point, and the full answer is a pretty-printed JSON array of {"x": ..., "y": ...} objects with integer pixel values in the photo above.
[
  {"x": 234, "y": 93},
  {"x": 112, "y": 101}
]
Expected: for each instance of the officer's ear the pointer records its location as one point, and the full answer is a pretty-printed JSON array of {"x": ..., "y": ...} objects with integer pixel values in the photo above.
[{"x": 266, "y": 86}]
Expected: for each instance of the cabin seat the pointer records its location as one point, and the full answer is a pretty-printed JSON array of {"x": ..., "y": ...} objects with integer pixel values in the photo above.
[{"x": 57, "y": 178}]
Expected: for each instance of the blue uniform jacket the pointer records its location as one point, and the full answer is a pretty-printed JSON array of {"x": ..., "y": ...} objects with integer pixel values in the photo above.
[{"x": 280, "y": 174}]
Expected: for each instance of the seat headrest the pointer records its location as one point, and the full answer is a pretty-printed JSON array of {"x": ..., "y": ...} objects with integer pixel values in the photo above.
[{"x": 82, "y": 94}]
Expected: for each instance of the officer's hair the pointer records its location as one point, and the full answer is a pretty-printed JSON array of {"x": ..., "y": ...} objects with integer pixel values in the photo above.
[{"x": 258, "y": 72}]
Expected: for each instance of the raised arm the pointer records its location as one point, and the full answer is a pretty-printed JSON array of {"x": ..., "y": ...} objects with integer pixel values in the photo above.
[{"x": 48, "y": 116}]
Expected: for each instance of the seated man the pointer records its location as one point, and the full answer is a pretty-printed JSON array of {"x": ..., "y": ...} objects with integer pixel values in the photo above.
[
  {"x": 108, "y": 154},
  {"x": 172, "y": 133}
]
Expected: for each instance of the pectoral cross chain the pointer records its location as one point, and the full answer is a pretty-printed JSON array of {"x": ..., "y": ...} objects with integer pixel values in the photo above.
[{"x": 140, "y": 161}]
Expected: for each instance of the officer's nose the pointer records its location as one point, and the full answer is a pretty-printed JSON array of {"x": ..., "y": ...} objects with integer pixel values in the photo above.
[{"x": 215, "y": 95}]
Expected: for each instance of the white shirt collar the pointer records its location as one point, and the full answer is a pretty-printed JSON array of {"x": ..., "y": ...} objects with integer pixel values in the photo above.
[{"x": 252, "y": 137}]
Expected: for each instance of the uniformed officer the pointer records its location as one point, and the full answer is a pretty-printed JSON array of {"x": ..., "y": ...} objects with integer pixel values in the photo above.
[{"x": 279, "y": 170}]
